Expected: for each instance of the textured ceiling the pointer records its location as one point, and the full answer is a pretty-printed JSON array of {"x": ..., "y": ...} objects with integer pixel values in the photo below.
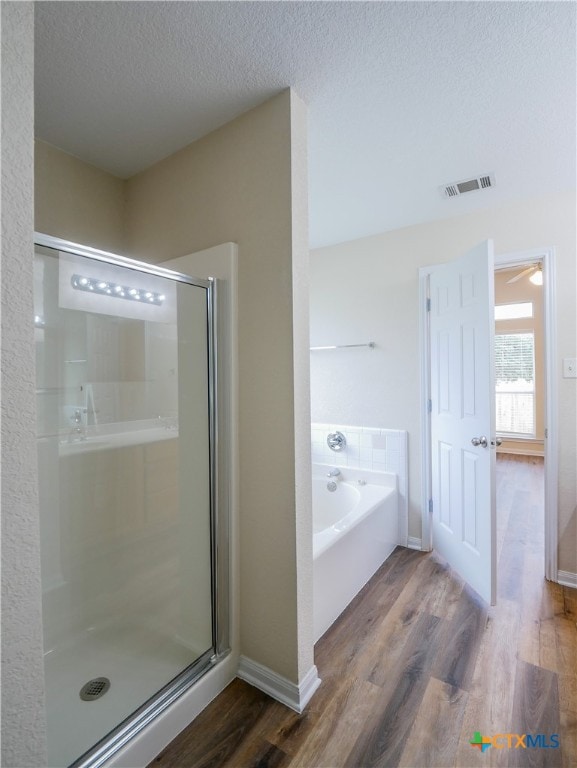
[{"x": 402, "y": 96}]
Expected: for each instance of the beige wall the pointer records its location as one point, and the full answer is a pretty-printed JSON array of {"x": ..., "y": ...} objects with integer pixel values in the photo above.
[
  {"x": 511, "y": 293},
  {"x": 76, "y": 201},
  {"x": 237, "y": 185},
  {"x": 368, "y": 290}
]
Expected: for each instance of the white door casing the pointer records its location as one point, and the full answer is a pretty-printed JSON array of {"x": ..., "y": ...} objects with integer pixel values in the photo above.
[{"x": 461, "y": 328}]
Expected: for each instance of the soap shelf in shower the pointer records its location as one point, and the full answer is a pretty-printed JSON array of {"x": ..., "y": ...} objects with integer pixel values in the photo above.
[{"x": 370, "y": 344}]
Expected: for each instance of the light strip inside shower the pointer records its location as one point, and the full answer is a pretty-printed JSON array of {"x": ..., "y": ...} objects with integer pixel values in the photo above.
[{"x": 115, "y": 290}]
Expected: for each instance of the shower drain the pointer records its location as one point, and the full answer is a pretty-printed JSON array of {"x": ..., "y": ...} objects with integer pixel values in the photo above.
[{"x": 94, "y": 689}]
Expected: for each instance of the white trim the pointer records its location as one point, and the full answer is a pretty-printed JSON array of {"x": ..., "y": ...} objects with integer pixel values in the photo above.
[
  {"x": 567, "y": 579},
  {"x": 291, "y": 695},
  {"x": 424, "y": 362},
  {"x": 547, "y": 256},
  {"x": 414, "y": 543}
]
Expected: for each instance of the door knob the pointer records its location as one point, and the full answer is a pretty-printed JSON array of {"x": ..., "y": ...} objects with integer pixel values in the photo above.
[{"x": 480, "y": 441}]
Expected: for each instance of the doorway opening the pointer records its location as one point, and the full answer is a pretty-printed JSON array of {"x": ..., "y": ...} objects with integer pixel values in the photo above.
[
  {"x": 519, "y": 420},
  {"x": 519, "y": 360},
  {"x": 532, "y": 274},
  {"x": 518, "y": 401}
]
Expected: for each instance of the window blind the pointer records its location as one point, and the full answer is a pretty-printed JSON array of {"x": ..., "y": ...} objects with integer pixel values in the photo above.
[{"x": 515, "y": 383}]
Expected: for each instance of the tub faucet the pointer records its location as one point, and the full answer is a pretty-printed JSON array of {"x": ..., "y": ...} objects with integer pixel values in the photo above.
[
  {"x": 334, "y": 472},
  {"x": 77, "y": 432}
]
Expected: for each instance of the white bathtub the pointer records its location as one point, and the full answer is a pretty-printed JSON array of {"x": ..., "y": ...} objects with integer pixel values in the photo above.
[{"x": 355, "y": 529}]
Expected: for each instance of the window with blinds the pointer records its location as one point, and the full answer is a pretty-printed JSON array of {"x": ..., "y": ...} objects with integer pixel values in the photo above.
[{"x": 515, "y": 384}]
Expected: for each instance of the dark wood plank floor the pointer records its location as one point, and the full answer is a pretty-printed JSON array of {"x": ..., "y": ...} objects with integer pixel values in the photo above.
[{"x": 418, "y": 664}]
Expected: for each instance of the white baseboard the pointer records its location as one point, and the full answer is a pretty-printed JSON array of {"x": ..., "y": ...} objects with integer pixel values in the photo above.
[
  {"x": 414, "y": 543},
  {"x": 294, "y": 696},
  {"x": 567, "y": 579}
]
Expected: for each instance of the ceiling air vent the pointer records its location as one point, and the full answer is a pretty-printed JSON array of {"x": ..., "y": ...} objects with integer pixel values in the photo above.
[{"x": 456, "y": 188}]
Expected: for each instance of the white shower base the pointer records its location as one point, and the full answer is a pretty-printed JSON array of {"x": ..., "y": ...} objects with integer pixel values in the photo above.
[{"x": 137, "y": 661}]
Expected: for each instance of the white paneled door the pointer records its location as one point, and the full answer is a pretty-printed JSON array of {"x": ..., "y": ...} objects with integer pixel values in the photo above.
[{"x": 463, "y": 416}]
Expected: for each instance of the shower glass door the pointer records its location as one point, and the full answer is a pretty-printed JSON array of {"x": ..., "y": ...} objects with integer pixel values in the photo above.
[{"x": 125, "y": 471}]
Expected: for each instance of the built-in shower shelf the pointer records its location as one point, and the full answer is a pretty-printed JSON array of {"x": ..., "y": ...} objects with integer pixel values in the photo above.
[
  {"x": 107, "y": 438},
  {"x": 370, "y": 344}
]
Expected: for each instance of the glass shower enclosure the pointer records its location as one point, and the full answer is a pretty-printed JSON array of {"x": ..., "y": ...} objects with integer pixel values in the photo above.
[{"x": 126, "y": 424}]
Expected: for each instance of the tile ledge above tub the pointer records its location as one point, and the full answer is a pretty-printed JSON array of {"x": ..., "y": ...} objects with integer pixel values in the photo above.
[{"x": 372, "y": 449}]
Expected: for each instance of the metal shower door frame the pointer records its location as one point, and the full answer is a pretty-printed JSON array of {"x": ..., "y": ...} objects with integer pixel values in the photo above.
[{"x": 103, "y": 750}]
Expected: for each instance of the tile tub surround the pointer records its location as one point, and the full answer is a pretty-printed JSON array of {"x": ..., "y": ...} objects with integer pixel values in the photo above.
[{"x": 381, "y": 450}]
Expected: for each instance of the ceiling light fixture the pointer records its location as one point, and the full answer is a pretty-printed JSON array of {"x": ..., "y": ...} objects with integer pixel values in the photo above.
[
  {"x": 104, "y": 288},
  {"x": 537, "y": 276},
  {"x": 534, "y": 270}
]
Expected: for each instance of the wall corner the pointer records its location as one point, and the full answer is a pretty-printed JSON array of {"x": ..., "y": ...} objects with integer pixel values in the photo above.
[
  {"x": 23, "y": 715},
  {"x": 301, "y": 376}
]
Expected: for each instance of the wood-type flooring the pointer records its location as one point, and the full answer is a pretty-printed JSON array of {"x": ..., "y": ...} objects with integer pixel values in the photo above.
[{"x": 418, "y": 664}]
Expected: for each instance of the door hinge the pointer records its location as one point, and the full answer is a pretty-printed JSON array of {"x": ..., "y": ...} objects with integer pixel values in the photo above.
[
  {"x": 430, "y": 506},
  {"x": 546, "y": 433},
  {"x": 429, "y": 405},
  {"x": 428, "y": 305}
]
